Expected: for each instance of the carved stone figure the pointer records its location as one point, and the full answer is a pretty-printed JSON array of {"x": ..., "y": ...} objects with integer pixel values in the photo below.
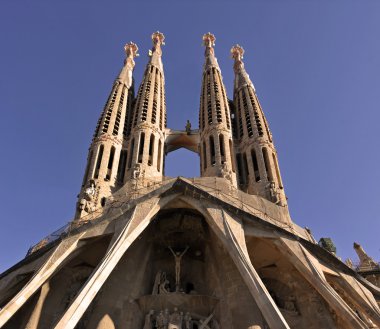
[
  {"x": 290, "y": 304},
  {"x": 156, "y": 284},
  {"x": 273, "y": 192},
  {"x": 177, "y": 259},
  {"x": 188, "y": 127},
  {"x": 148, "y": 320},
  {"x": 225, "y": 172},
  {"x": 90, "y": 191},
  {"x": 175, "y": 320},
  {"x": 163, "y": 287},
  {"x": 137, "y": 172},
  {"x": 166, "y": 317},
  {"x": 161, "y": 322},
  {"x": 187, "y": 320}
]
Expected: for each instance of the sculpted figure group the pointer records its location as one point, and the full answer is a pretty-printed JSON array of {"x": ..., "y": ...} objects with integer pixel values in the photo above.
[{"x": 177, "y": 320}]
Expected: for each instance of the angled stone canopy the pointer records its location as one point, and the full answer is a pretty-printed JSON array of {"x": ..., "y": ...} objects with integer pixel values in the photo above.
[{"x": 236, "y": 230}]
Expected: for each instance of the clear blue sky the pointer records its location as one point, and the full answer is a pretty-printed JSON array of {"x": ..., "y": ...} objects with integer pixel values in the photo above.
[{"x": 315, "y": 65}]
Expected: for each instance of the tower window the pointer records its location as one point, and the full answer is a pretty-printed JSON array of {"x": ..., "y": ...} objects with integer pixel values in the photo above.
[
  {"x": 268, "y": 168},
  {"x": 222, "y": 148},
  {"x": 118, "y": 114},
  {"x": 99, "y": 161},
  {"x": 110, "y": 163},
  {"x": 247, "y": 115},
  {"x": 103, "y": 202},
  {"x": 255, "y": 166},
  {"x": 121, "y": 167},
  {"x": 204, "y": 156},
  {"x": 141, "y": 147},
  {"x": 226, "y": 108},
  {"x": 240, "y": 168},
  {"x": 245, "y": 168},
  {"x": 159, "y": 155},
  {"x": 151, "y": 150},
  {"x": 131, "y": 153},
  {"x": 231, "y": 154},
  {"x": 212, "y": 150}
]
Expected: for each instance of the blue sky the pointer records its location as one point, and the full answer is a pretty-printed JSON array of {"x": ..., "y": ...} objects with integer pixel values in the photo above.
[{"x": 315, "y": 65}]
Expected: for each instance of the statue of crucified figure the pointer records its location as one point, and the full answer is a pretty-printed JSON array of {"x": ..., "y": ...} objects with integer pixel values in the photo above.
[{"x": 177, "y": 259}]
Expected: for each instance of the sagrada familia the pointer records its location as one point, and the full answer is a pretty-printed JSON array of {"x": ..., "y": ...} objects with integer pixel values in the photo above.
[{"x": 219, "y": 251}]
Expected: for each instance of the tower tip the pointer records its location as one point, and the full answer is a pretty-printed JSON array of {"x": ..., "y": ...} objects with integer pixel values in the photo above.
[
  {"x": 131, "y": 49},
  {"x": 237, "y": 52},
  {"x": 209, "y": 40},
  {"x": 158, "y": 38}
]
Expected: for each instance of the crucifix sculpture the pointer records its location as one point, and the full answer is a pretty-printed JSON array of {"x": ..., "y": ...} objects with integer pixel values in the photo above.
[{"x": 177, "y": 260}]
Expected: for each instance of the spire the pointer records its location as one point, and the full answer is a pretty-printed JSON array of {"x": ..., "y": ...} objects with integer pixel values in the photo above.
[
  {"x": 366, "y": 262},
  {"x": 209, "y": 43},
  {"x": 215, "y": 120},
  {"x": 146, "y": 142},
  {"x": 156, "y": 52},
  {"x": 125, "y": 75},
  {"x": 241, "y": 76},
  {"x": 256, "y": 155},
  {"x": 106, "y": 159}
]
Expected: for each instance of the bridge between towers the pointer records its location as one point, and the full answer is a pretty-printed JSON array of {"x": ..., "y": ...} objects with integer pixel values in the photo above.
[{"x": 188, "y": 139}]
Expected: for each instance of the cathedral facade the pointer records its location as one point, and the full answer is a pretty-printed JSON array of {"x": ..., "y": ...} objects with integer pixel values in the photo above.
[{"x": 219, "y": 251}]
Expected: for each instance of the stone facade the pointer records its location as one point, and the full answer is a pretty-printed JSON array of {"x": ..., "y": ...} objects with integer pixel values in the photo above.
[{"x": 215, "y": 252}]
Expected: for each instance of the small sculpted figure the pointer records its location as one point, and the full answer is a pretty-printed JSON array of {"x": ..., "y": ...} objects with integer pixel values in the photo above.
[
  {"x": 177, "y": 259},
  {"x": 148, "y": 320}
]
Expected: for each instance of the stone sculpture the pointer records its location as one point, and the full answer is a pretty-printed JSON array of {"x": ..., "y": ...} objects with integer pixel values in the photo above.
[{"x": 177, "y": 259}]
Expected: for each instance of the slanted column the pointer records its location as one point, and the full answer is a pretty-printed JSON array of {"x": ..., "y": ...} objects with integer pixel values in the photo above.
[
  {"x": 262, "y": 177},
  {"x": 145, "y": 160},
  {"x": 100, "y": 179},
  {"x": 214, "y": 117}
]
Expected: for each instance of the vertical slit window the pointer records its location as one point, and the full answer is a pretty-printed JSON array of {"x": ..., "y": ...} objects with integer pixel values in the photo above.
[
  {"x": 256, "y": 113},
  {"x": 204, "y": 156},
  {"x": 212, "y": 150},
  {"x": 118, "y": 114},
  {"x": 247, "y": 115},
  {"x": 151, "y": 150},
  {"x": 245, "y": 168},
  {"x": 231, "y": 154},
  {"x": 159, "y": 155},
  {"x": 209, "y": 110},
  {"x": 255, "y": 166},
  {"x": 110, "y": 163},
  {"x": 268, "y": 168},
  {"x": 141, "y": 148},
  {"x": 222, "y": 148},
  {"x": 239, "y": 168},
  {"x": 121, "y": 166},
  {"x": 110, "y": 106},
  {"x": 99, "y": 161},
  {"x": 131, "y": 153}
]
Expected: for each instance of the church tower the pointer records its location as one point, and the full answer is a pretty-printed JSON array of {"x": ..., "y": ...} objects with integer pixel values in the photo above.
[
  {"x": 102, "y": 176},
  {"x": 146, "y": 143},
  {"x": 256, "y": 155},
  {"x": 216, "y": 146}
]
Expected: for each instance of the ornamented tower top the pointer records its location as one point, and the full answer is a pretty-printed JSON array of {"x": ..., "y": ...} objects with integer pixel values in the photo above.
[
  {"x": 216, "y": 146},
  {"x": 100, "y": 179},
  {"x": 146, "y": 144},
  {"x": 256, "y": 155}
]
